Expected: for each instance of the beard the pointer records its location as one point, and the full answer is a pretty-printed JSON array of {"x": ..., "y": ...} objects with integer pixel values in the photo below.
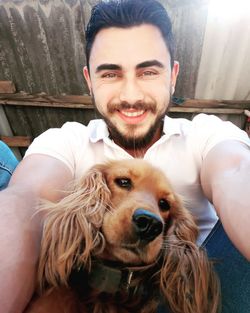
[{"x": 130, "y": 140}]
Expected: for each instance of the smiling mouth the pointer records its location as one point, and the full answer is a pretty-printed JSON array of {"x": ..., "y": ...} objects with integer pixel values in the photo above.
[
  {"x": 132, "y": 113},
  {"x": 132, "y": 116}
]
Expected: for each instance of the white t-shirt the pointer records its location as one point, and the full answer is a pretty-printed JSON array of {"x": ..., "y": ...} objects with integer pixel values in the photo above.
[{"x": 179, "y": 153}]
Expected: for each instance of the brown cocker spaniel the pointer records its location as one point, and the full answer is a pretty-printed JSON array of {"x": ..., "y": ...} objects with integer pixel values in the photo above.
[{"x": 121, "y": 241}]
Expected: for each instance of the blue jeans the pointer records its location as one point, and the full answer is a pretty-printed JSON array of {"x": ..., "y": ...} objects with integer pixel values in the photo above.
[
  {"x": 233, "y": 270},
  {"x": 8, "y": 163}
]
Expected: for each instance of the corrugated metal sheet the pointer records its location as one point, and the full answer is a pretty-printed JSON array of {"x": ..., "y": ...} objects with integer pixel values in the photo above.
[
  {"x": 189, "y": 22},
  {"x": 42, "y": 44},
  {"x": 224, "y": 71}
]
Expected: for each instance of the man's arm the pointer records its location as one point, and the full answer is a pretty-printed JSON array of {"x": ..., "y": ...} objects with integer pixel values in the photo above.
[
  {"x": 37, "y": 176},
  {"x": 225, "y": 178}
]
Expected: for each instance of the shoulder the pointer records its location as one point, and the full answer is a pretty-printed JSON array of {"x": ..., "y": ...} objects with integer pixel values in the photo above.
[
  {"x": 206, "y": 131},
  {"x": 64, "y": 143},
  {"x": 77, "y": 129},
  {"x": 197, "y": 137},
  {"x": 201, "y": 122},
  {"x": 211, "y": 130},
  {"x": 213, "y": 125},
  {"x": 69, "y": 133},
  {"x": 207, "y": 123}
]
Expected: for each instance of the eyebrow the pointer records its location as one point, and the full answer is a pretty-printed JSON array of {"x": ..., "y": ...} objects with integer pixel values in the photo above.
[
  {"x": 107, "y": 66},
  {"x": 150, "y": 63},
  {"x": 111, "y": 66}
]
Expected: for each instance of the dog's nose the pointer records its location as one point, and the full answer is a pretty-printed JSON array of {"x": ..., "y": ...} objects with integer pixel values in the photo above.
[{"x": 147, "y": 225}]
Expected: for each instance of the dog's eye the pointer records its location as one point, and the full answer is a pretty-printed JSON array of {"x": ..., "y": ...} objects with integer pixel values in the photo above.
[
  {"x": 124, "y": 182},
  {"x": 164, "y": 205}
]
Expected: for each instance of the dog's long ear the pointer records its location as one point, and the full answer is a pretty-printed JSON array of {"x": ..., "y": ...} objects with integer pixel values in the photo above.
[
  {"x": 187, "y": 279},
  {"x": 71, "y": 229}
]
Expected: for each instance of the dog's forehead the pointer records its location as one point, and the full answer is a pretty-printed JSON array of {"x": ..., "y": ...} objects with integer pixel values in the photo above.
[
  {"x": 135, "y": 166},
  {"x": 136, "y": 169}
]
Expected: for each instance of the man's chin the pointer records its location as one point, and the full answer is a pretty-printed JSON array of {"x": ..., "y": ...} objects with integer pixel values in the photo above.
[
  {"x": 132, "y": 138},
  {"x": 132, "y": 143}
]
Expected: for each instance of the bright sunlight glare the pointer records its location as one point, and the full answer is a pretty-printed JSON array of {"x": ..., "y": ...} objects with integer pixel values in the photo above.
[{"x": 225, "y": 9}]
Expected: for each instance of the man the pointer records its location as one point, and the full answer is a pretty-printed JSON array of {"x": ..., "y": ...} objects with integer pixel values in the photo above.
[{"x": 131, "y": 75}]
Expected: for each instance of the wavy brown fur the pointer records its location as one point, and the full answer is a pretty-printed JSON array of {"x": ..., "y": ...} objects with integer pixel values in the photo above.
[
  {"x": 187, "y": 278},
  {"x": 71, "y": 230},
  {"x": 77, "y": 228}
]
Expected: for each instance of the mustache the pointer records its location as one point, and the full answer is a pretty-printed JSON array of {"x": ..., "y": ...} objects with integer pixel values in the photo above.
[{"x": 113, "y": 107}]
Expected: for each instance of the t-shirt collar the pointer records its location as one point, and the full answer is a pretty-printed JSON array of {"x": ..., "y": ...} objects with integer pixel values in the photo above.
[
  {"x": 171, "y": 126},
  {"x": 98, "y": 129}
]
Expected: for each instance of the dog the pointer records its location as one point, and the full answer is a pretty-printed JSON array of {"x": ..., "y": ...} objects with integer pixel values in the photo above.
[{"x": 121, "y": 241}]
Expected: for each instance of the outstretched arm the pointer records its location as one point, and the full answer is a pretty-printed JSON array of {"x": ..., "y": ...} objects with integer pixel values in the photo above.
[
  {"x": 37, "y": 176},
  {"x": 225, "y": 178}
]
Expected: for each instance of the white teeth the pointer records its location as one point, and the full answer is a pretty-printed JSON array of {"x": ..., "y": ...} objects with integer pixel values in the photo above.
[{"x": 132, "y": 114}]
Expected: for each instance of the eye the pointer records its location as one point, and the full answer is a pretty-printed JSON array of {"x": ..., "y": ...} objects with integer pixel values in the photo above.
[
  {"x": 109, "y": 75},
  {"x": 148, "y": 73},
  {"x": 164, "y": 205},
  {"x": 124, "y": 182}
]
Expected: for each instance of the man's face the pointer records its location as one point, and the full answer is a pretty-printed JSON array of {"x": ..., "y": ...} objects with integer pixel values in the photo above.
[{"x": 130, "y": 79}]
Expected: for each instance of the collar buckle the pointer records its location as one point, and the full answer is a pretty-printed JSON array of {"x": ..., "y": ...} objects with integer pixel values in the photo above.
[{"x": 126, "y": 279}]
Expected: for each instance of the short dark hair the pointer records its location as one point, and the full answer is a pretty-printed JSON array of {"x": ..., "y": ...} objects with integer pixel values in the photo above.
[{"x": 125, "y": 14}]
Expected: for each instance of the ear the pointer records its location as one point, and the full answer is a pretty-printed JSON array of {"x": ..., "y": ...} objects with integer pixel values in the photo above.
[
  {"x": 71, "y": 229},
  {"x": 187, "y": 280},
  {"x": 86, "y": 75},
  {"x": 174, "y": 75}
]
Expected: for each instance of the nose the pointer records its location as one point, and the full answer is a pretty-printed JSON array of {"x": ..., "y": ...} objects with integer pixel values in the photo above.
[
  {"x": 131, "y": 92},
  {"x": 147, "y": 225}
]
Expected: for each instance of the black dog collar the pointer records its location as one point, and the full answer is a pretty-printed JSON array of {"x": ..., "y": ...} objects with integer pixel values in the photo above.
[{"x": 110, "y": 279}]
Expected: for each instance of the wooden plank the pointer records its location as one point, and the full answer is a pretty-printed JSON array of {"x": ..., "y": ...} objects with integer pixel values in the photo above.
[
  {"x": 44, "y": 100},
  {"x": 206, "y": 110},
  {"x": 85, "y": 102},
  {"x": 7, "y": 86},
  {"x": 48, "y": 105},
  {"x": 210, "y": 103},
  {"x": 16, "y": 141}
]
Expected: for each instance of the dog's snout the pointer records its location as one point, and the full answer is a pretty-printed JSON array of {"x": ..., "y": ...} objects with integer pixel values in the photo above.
[{"x": 147, "y": 225}]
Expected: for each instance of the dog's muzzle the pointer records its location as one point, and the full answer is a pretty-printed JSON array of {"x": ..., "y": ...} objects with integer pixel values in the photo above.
[{"x": 147, "y": 225}]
